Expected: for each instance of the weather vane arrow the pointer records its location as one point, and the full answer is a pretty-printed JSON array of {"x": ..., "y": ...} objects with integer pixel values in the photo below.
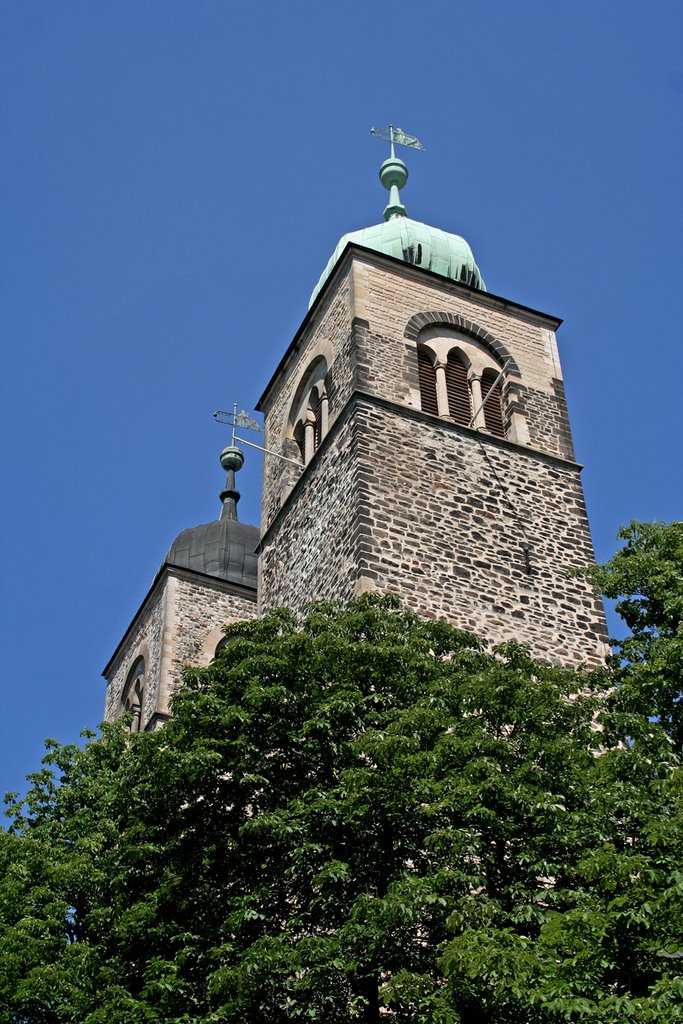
[
  {"x": 396, "y": 136},
  {"x": 236, "y": 419}
]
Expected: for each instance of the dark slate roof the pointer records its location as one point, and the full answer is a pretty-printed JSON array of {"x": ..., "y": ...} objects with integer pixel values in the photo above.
[{"x": 225, "y": 549}]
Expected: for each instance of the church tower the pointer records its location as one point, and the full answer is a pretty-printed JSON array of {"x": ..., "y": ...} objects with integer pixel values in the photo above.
[
  {"x": 430, "y": 421},
  {"x": 419, "y": 445},
  {"x": 207, "y": 579}
]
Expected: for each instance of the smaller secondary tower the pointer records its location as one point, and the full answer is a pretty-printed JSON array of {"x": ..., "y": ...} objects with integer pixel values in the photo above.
[{"x": 207, "y": 579}]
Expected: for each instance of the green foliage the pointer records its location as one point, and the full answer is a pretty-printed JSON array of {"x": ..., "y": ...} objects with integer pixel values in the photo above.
[
  {"x": 646, "y": 578},
  {"x": 359, "y": 814}
]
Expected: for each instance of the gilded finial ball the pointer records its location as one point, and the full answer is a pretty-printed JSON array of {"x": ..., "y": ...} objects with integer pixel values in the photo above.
[
  {"x": 232, "y": 458},
  {"x": 393, "y": 172}
]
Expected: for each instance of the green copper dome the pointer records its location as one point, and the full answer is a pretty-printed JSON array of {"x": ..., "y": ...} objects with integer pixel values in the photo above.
[{"x": 417, "y": 244}]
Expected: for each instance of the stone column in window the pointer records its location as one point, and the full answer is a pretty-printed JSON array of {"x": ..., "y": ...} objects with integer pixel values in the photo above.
[
  {"x": 309, "y": 437},
  {"x": 475, "y": 388},
  {"x": 441, "y": 389}
]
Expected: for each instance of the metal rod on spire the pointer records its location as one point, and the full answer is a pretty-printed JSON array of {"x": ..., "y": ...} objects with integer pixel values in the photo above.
[{"x": 268, "y": 451}]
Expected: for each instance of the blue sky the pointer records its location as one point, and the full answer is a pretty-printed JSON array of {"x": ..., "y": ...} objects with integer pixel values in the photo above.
[{"x": 175, "y": 177}]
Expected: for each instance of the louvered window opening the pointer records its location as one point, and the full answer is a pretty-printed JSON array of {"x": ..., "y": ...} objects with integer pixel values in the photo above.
[
  {"x": 318, "y": 424},
  {"x": 457, "y": 388},
  {"x": 493, "y": 408},
  {"x": 427, "y": 378}
]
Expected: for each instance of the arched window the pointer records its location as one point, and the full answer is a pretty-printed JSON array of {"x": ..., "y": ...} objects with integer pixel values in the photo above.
[
  {"x": 309, "y": 412},
  {"x": 457, "y": 388},
  {"x": 427, "y": 376},
  {"x": 221, "y": 645},
  {"x": 493, "y": 403},
  {"x": 133, "y": 693},
  {"x": 464, "y": 379}
]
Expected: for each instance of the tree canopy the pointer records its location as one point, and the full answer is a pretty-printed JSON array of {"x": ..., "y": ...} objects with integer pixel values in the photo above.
[
  {"x": 364, "y": 816},
  {"x": 646, "y": 578}
]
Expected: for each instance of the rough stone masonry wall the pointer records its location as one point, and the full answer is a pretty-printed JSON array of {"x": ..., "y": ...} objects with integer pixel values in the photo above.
[
  {"x": 440, "y": 533},
  {"x": 201, "y": 607},
  {"x": 312, "y": 550},
  {"x": 426, "y": 516}
]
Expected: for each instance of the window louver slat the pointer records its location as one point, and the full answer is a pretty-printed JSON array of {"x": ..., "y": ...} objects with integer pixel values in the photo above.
[
  {"x": 493, "y": 409},
  {"x": 318, "y": 426},
  {"x": 458, "y": 390},
  {"x": 427, "y": 384}
]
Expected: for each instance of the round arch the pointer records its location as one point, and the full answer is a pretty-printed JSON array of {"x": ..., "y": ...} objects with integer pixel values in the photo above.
[{"x": 420, "y": 321}]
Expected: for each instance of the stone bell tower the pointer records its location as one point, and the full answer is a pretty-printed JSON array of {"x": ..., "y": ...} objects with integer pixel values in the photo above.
[
  {"x": 425, "y": 452},
  {"x": 429, "y": 419}
]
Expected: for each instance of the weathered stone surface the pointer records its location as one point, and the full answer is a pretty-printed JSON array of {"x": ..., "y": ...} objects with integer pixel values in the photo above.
[
  {"x": 478, "y": 532},
  {"x": 202, "y": 608},
  {"x": 314, "y": 550},
  {"x": 461, "y": 525},
  {"x": 180, "y": 623}
]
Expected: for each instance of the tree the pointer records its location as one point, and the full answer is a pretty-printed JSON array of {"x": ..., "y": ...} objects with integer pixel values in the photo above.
[
  {"x": 355, "y": 815},
  {"x": 646, "y": 578}
]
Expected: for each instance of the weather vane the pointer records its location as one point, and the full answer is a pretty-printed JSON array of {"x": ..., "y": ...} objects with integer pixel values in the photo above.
[
  {"x": 236, "y": 419},
  {"x": 396, "y": 136},
  {"x": 393, "y": 173},
  {"x": 244, "y": 421}
]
